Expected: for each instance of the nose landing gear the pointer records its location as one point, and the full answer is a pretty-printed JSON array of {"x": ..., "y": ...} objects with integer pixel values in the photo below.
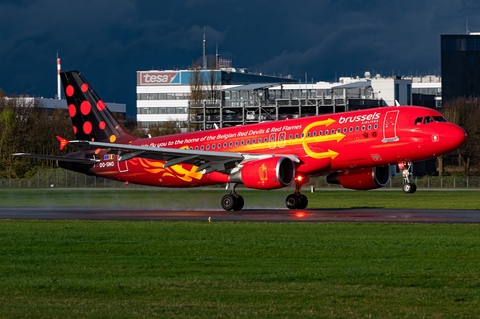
[{"x": 406, "y": 168}]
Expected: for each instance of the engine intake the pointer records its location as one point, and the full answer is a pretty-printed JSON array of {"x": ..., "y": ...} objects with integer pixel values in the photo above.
[
  {"x": 268, "y": 173},
  {"x": 361, "y": 178}
]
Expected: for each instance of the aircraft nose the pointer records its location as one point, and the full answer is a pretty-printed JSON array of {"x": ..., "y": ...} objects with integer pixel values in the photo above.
[{"x": 456, "y": 136}]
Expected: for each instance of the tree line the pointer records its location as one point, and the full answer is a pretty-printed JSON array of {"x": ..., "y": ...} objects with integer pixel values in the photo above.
[{"x": 25, "y": 126}]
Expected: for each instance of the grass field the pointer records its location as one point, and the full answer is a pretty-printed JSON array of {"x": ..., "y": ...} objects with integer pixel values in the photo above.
[{"x": 78, "y": 269}]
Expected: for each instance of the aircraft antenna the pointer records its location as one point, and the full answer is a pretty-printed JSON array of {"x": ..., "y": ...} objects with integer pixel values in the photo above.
[
  {"x": 59, "y": 81},
  {"x": 204, "y": 50}
]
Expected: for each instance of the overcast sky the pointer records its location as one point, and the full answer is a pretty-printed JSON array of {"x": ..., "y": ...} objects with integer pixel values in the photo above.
[{"x": 109, "y": 40}]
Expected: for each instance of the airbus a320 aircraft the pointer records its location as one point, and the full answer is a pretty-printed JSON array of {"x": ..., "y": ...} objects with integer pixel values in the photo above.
[{"x": 354, "y": 149}]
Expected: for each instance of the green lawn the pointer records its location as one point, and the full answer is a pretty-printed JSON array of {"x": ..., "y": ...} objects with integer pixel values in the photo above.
[{"x": 79, "y": 269}]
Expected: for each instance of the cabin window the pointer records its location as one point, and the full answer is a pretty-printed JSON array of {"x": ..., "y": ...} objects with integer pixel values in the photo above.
[
  {"x": 225, "y": 145},
  {"x": 208, "y": 147},
  {"x": 201, "y": 148},
  {"x": 375, "y": 126},
  {"x": 320, "y": 133},
  {"x": 213, "y": 146},
  {"x": 357, "y": 129},
  {"x": 230, "y": 144},
  {"x": 333, "y": 131},
  {"x": 350, "y": 129},
  {"x": 363, "y": 127},
  {"x": 259, "y": 140},
  {"x": 369, "y": 127},
  {"x": 326, "y": 132}
]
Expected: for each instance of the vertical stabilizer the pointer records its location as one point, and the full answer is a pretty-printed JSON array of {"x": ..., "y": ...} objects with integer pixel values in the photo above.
[{"x": 91, "y": 119}]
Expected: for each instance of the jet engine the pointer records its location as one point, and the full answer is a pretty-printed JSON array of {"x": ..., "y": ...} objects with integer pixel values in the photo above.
[
  {"x": 268, "y": 173},
  {"x": 361, "y": 178}
]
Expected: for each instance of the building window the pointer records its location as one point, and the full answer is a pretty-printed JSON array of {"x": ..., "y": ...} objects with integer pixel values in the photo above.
[{"x": 397, "y": 92}]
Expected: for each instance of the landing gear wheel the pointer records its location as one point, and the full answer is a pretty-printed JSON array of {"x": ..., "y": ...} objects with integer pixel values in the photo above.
[
  {"x": 292, "y": 201},
  {"x": 232, "y": 201},
  {"x": 414, "y": 188},
  {"x": 296, "y": 201},
  {"x": 409, "y": 188},
  {"x": 228, "y": 202},
  {"x": 303, "y": 201},
  {"x": 406, "y": 168},
  {"x": 238, "y": 203}
]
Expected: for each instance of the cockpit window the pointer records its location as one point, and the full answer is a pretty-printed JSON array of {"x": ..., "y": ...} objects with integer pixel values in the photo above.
[
  {"x": 439, "y": 119},
  {"x": 427, "y": 120}
]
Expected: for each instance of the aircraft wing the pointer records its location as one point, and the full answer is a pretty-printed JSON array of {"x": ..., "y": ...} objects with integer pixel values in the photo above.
[
  {"x": 205, "y": 160},
  {"x": 59, "y": 158}
]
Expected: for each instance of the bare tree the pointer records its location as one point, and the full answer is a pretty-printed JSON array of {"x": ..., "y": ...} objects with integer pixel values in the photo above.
[
  {"x": 25, "y": 126},
  {"x": 466, "y": 113},
  {"x": 164, "y": 128},
  {"x": 197, "y": 93},
  {"x": 213, "y": 82}
]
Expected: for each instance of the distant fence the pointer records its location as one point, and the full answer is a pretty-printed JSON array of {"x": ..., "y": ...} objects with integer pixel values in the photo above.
[{"x": 60, "y": 178}]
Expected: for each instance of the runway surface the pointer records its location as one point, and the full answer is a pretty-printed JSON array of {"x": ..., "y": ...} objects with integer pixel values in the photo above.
[{"x": 248, "y": 215}]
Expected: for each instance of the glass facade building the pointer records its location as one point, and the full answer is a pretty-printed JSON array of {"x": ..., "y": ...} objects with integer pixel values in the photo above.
[{"x": 460, "y": 61}]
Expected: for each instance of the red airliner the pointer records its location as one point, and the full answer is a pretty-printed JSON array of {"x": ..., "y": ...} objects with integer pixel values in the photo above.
[{"x": 354, "y": 149}]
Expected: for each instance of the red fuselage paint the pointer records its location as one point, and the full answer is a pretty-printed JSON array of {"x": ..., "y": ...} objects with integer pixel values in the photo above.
[{"x": 324, "y": 143}]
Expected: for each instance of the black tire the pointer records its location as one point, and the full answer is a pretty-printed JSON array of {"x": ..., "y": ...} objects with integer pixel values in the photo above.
[
  {"x": 409, "y": 188},
  {"x": 228, "y": 202},
  {"x": 414, "y": 188},
  {"x": 303, "y": 201},
  {"x": 239, "y": 202},
  {"x": 292, "y": 201}
]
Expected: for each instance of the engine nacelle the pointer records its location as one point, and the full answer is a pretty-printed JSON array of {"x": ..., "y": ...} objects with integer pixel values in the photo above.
[
  {"x": 268, "y": 173},
  {"x": 361, "y": 178}
]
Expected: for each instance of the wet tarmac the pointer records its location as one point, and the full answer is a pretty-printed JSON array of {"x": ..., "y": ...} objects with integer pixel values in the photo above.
[{"x": 247, "y": 215}]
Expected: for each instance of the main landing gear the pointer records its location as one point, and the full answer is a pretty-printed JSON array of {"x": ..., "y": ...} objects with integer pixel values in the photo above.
[
  {"x": 297, "y": 200},
  {"x": 406, "y": 168},
  {"x": 232, "y": 201},
  {"x": 235, "y": 202}
]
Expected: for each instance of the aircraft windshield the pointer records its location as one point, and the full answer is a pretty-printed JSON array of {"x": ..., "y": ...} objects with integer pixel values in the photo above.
[
  {"x": 439, "y": 119},
  {"x": 429, "y": 119}
]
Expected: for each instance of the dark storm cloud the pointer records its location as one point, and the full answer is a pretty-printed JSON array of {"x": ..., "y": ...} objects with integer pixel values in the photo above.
[{"x": 109, "y": 40}]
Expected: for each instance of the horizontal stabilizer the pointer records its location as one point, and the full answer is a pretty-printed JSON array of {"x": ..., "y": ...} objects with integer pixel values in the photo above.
[{"x": 59, "y": 158}]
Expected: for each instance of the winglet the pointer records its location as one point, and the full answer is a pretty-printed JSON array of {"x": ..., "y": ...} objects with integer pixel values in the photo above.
[{"x": 63, "y": 142}]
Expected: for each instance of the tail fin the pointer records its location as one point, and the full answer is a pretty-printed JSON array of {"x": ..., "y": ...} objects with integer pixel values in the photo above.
[{"x": 91, "y": 119}]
